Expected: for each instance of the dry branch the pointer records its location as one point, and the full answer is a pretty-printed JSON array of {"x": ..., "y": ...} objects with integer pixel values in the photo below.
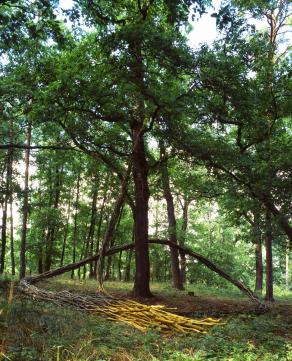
[
  {"x": 248, "y": 292},
  {"x": 135, "y": 314}
]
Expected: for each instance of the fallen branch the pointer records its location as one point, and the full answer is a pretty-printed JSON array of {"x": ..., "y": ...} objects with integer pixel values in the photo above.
[
  {"x": 73, "y": 266},
  {"x": 247, "y": 291}
]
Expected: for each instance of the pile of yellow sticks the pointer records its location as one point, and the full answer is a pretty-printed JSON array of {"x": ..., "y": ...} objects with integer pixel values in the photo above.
[
  {"x": 158, "y": 317},
  {"x": 138, "y": 315}
]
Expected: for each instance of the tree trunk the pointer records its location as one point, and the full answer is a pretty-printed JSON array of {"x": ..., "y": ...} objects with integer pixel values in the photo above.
[
  {"x": 140, "y": 174},
  {"x": 258, "y": 256},
  {"x": 279, "y": 216},
  {"x": 127, "y": 276},
  {"x": 114, "y": 219},
  {"x": 185, "y": 219},
  {"x": 109, "y": 265},
  {"x": 65, "y": 233},
  {"x": 7, "y": 199},
  {"x": 22, "y": 258},
  {"x": 287, "y": 265},
  {"x": 89, "y": 241},
  {"x": 120, "y": 266},
  {"x": 93, "y": 265},
  {"x": 51, "y": 235},
  {"x": 75, "y": 222},
  {"x": 176, "y": 274},
  {"x": 259, "y": 267},
  {"x": 82, "y": 257},
  {"x": 12, "y": 253},
  {"x": 269, "y": 259},
  {"x": 128, "y": 261},
  {"x": 12, "y": 237},
  {"x": 3, "y": 235}
]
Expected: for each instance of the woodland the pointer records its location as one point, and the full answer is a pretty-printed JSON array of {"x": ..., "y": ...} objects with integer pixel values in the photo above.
[{"x": 145, "y": 184}]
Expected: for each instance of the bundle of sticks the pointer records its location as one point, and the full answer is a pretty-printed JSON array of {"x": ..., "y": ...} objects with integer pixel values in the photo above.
[{"x": 138, "y": 315}]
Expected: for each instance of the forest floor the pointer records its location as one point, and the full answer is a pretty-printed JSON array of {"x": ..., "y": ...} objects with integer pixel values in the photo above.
[{"x": 39, "y": 331}]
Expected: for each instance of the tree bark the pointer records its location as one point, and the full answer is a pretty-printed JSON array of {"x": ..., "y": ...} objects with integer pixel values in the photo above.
[
  {"x": 120, "y": 266},
  {"x": 287, "y": 266},
  {"x": 93, "y": 265},
  {"x": 75, "y": 222},
  {"x": 22, "y": 258},
  {"x": 142, "y": 194},
  {"x": 65, "y": 233},
  {"x": 51, "y": 234},
  {"x": 7, "y": 199},
  {"x": 269, "y": 259},
  {"x": 114, "y": 219},
  {"x": 185, "y": 219},
  {"x": 259, "y": 267},
  {"x": 176, "y": 273},
  {"x": 258, "y": 256},
  {"x": 279, "y": 216},
  {"x": 89, "y": 241},
  {"x": 127, "y": 275},
  {"x": 3, "y": 235},
  {"x": 12, "y": 255}
]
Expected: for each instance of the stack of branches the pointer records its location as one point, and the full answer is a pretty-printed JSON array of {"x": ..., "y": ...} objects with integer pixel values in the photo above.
[{"x": 138, "y": 315}]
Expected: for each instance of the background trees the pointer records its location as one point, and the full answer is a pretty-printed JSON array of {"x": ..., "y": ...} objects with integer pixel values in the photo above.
[{"x": 205, "y": 133}]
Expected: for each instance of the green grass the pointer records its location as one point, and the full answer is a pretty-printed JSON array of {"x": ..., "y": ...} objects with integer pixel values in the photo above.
[{"x": 43, "y": 332}]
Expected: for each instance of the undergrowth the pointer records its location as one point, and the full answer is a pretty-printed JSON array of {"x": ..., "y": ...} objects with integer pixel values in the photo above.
[{"x": 31, "y": 331}]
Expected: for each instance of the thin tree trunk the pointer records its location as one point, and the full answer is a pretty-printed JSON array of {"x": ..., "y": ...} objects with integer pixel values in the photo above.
[
  {"x": 259, "y": 267},
  {"x": 287, "y": 265},
  {"x": 51, "y": 235},
  {"x": 108, "y": 270},
  {"x": 129, "y": 259},
  {"x": 93, "y": 265},
  {"x": 82, "y": 257},
  {"x": 258, "y": 255},
  {"x": 120, "y": 266},
  {"x": 12, "y": 237},
  {"x": 12, "y": 253},
  {"x": 41, "y": 253},
  {"x": 75, "y": 222},
  {"x": 127, "y": 276},
  {"x": 7, "y": 198},
  {"x": 114, "y": 219},
  {"x": 269, "y": 259},
  {"x": 22, "y": 258},
  {"x": 3, "y": 235},
  {"x": 110, "y": 263},
  {"x": 185, "y": 219},
  {"x": 89, "y": 242},
  {"x": 65, "y": 233},
  {"x": 176, "y": 274}
]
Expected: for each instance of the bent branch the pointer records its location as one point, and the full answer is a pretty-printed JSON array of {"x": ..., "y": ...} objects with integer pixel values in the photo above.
[{"x": 187, "y": 251}]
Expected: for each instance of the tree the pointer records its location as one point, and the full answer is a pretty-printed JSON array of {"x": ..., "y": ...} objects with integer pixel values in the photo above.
[
  {"x": 241, "y": 130},
  {"x": 176, "y": 272},
  {"x": 22, "y": 258},
  {"x": 119, "y": 93}
]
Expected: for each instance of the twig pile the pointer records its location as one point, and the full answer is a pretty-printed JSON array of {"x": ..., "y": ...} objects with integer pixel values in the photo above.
[{"x": 138, "y": 315}]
